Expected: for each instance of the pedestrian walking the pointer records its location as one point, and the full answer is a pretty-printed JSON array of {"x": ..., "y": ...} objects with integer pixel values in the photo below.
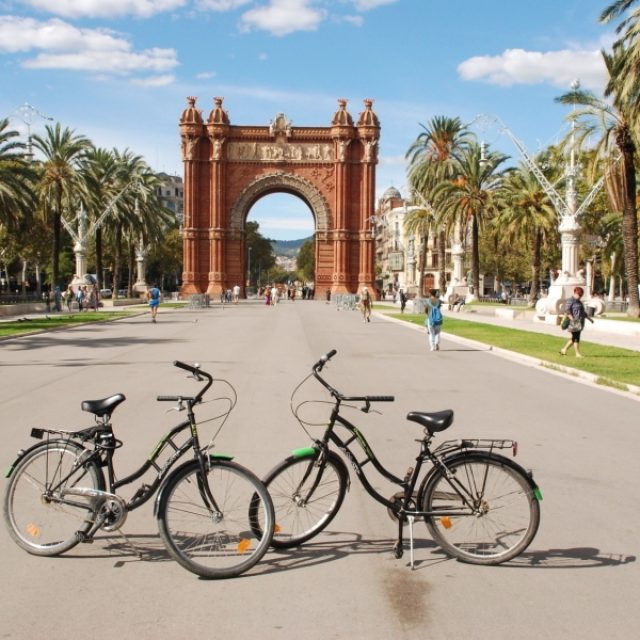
[
  {"x": 576, "y": 314},
  {"x": 434, "y": 320},
  {"x": 69, "y": 295},
  {"x": 236, "y": 294},
  {"x": 365, "y": 304},
  {"x": 403, "y": 300},
  {"x": 153, "y": 296},
  {"x": 80, "y": 297}
]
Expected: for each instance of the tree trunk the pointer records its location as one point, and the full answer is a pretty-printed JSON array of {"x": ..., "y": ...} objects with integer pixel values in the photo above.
[
  {"x": 475, "y": 257},
  {"x": 99, "y": 269},
  {"x": 612, "y": 278},
  {"x": 535, "y": 267},
  {"x": 630, "y": 224},
  {"x": 117, "y": 259},
  {"x": 442, "y": 259},
  {"x": 423, "y": 263},
  {"x": 55, "y": 248}
]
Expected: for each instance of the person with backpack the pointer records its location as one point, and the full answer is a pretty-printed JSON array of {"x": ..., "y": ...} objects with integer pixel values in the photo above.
[
  {"x": 153, "y": 296},
  {"x": 433, "y": 321}
]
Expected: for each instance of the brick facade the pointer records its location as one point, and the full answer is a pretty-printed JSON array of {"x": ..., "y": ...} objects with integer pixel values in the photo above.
[{"x": 228, "y": 168}]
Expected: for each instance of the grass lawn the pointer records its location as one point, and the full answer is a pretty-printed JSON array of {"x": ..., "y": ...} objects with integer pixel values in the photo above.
[
  {"x": 613, "y": 366},
  {"x": 13, "y": 328}
]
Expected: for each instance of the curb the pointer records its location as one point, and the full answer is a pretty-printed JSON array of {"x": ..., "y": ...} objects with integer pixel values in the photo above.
[{"x": 632, "y": 393}]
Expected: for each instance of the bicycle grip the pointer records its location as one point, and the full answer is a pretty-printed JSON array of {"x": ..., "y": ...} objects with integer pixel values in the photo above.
[
  {"x": 381, "y": 398},
  {"x": 325, "y": 358},
  {"x": 168, "y": 398},
  {"x": 184, "y": 365}
]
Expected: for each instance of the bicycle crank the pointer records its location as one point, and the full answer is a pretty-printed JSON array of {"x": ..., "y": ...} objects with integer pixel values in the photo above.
[{"x": 110, "y": 509}]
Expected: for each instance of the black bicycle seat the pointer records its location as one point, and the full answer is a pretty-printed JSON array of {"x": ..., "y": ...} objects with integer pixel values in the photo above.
[
  {"x": 433, "y": 421},
  {"x": 102, "y": 407}
]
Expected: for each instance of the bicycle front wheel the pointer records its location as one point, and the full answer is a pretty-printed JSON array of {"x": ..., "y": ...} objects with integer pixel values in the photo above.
[
  {"x": 486, "y": 514},
  {"x": 307, "y": 494},
  {"x": 41, "y": 515},
  {"x": 206, "y": 522}
]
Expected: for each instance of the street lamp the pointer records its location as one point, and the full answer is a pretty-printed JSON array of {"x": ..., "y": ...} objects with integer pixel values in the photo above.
[
  {"x": 249, "y": 269},
  {"x": 27, "y": 113}
]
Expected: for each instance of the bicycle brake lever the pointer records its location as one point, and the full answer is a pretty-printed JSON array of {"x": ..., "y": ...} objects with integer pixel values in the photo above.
[
  {"x": 179, "y": 407},
  {"x": 366, "y": 408}
]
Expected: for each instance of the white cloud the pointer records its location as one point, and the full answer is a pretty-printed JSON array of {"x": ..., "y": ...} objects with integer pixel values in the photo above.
[
  {"x": 64, "y": 46},
  {"x": 154, "y": 81},
  {"x": 221, "y": 5},
  {"x": 367, "y": 5},
  {"x": 357, "y": 21},
  {"x": 262, "y": 57},
  {"x": 115, "y": 62},
  {"x": 517, "y": 66},
  {"x": 23, "y": 34},
  {"x": 105, "y": 8},
  {"x": 206, "y": 75},
  {"x": 281, "y": 17}
]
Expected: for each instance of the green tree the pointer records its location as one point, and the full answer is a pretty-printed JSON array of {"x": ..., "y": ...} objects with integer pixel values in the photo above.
[
  {"x": 470, "y": 198},
  {"x": 60, "y": 183},
  {"x": 307, "y": 260},
  {"x": 613, "y": 127},
  {"x": 526, "y": 214},
  {"x": 262, "y": 257},
  {"x": 419, "y": 222},
  {"x": 17, "y": 178},
  {"x": 431, "y": 161}
]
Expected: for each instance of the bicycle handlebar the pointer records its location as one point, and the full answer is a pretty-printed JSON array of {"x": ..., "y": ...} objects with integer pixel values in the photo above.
[
  {"x": 197, "y": 373},
  {"x": 317, "y": 368}
]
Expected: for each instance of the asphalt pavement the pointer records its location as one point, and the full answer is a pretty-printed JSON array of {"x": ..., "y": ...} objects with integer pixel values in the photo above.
[{"x": 579, "y": 578}]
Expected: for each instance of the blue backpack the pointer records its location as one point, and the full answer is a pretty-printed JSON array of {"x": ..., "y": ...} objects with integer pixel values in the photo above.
[{"x": 436, "y": 316}]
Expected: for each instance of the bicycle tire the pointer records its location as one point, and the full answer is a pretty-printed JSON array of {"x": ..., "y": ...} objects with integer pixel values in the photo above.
[
  {"x": 210, "y": 545},
  {"x": 507, "y": 513},
  {"x": 297, "y": 521},
  {"x": 39, "y": 523}
]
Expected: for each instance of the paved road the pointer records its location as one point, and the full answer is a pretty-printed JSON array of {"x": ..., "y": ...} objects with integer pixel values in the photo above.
[{"x": 579, "y": 579}]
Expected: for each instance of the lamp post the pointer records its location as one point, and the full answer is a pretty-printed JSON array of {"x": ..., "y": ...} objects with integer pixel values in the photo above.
[
  {"x": 568, "y": 213},
  {"x": 27, "y": 112},
  {"x": 249, "y": 268}
]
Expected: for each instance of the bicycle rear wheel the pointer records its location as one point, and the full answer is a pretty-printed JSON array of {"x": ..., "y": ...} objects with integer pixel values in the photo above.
[
  {"x": 215, "y": 541},
  {"x": 40, "y": 516},
  {"x": 306, "y": 495},
  {"x": 498, "y": 518}
]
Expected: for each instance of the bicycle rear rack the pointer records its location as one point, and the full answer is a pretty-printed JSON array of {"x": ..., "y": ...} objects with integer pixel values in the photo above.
[{"x": 476, "y": 443}]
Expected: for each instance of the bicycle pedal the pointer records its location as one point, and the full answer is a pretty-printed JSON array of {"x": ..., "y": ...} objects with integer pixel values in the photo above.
[{"x": 398, "y": 551}]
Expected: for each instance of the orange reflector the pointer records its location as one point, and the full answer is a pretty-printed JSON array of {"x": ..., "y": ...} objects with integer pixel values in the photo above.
[
  {"x": 445, "y": 521},
  {"x": 244, "y": 545},
  {"x": 33, "y": 530},
  {"x": 277, "y": 528}
]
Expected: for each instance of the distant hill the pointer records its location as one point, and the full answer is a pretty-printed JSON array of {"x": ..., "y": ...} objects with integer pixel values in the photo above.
[{"x": 288, "y": 248}]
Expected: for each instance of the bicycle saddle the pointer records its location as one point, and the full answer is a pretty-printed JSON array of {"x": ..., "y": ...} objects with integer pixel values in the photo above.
[
  {"x": 102, "y": 407},
  {"x": 434, "y": 421}
]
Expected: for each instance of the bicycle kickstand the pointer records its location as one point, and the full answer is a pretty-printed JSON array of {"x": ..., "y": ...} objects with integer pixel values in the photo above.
[{"x": 411, "y": 520}]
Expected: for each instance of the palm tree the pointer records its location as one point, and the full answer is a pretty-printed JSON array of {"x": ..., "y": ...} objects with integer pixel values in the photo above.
[
  {"x": 614, "y": 128},
  {"x": 431, "y": 160},
  {"x": 60, "y": 183},
  {"x": 99, "y": 170},
  {"x": 17, "y": 178},
  {"x": 418, "y": 222},
  {"x": 527, "y": 213},
  {"x": 470, "y": 198}
]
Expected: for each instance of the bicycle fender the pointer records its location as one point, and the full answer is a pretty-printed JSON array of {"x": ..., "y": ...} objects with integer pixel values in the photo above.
[
  {"x": 481, "y": 454},
  {"x": 305, "y": 452}
]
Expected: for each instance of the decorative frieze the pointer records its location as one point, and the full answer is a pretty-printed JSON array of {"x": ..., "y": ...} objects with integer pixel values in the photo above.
[{"x": 304, "y": 152}]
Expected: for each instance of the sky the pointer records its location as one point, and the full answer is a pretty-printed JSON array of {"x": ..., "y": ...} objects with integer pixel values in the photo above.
[{"x": 119, "y": 71}]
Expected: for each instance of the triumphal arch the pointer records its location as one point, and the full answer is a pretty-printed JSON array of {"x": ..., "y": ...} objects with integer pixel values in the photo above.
[{"x": 227, "y": 168}]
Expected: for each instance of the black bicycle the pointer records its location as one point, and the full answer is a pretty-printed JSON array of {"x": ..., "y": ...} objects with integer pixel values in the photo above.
[
  {"x": 480, "y": 507},
  {"x": 57, "y": 496}
]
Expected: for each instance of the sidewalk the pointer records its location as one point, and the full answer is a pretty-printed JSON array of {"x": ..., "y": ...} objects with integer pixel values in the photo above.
[{"x": 606, "y": 333}]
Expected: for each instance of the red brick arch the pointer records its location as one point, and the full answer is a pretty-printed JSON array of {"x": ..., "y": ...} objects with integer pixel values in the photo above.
[{"x": 228, "y": 168}]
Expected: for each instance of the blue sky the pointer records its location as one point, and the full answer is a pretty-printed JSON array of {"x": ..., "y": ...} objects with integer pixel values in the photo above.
[{"x": 119, "y": 71}]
